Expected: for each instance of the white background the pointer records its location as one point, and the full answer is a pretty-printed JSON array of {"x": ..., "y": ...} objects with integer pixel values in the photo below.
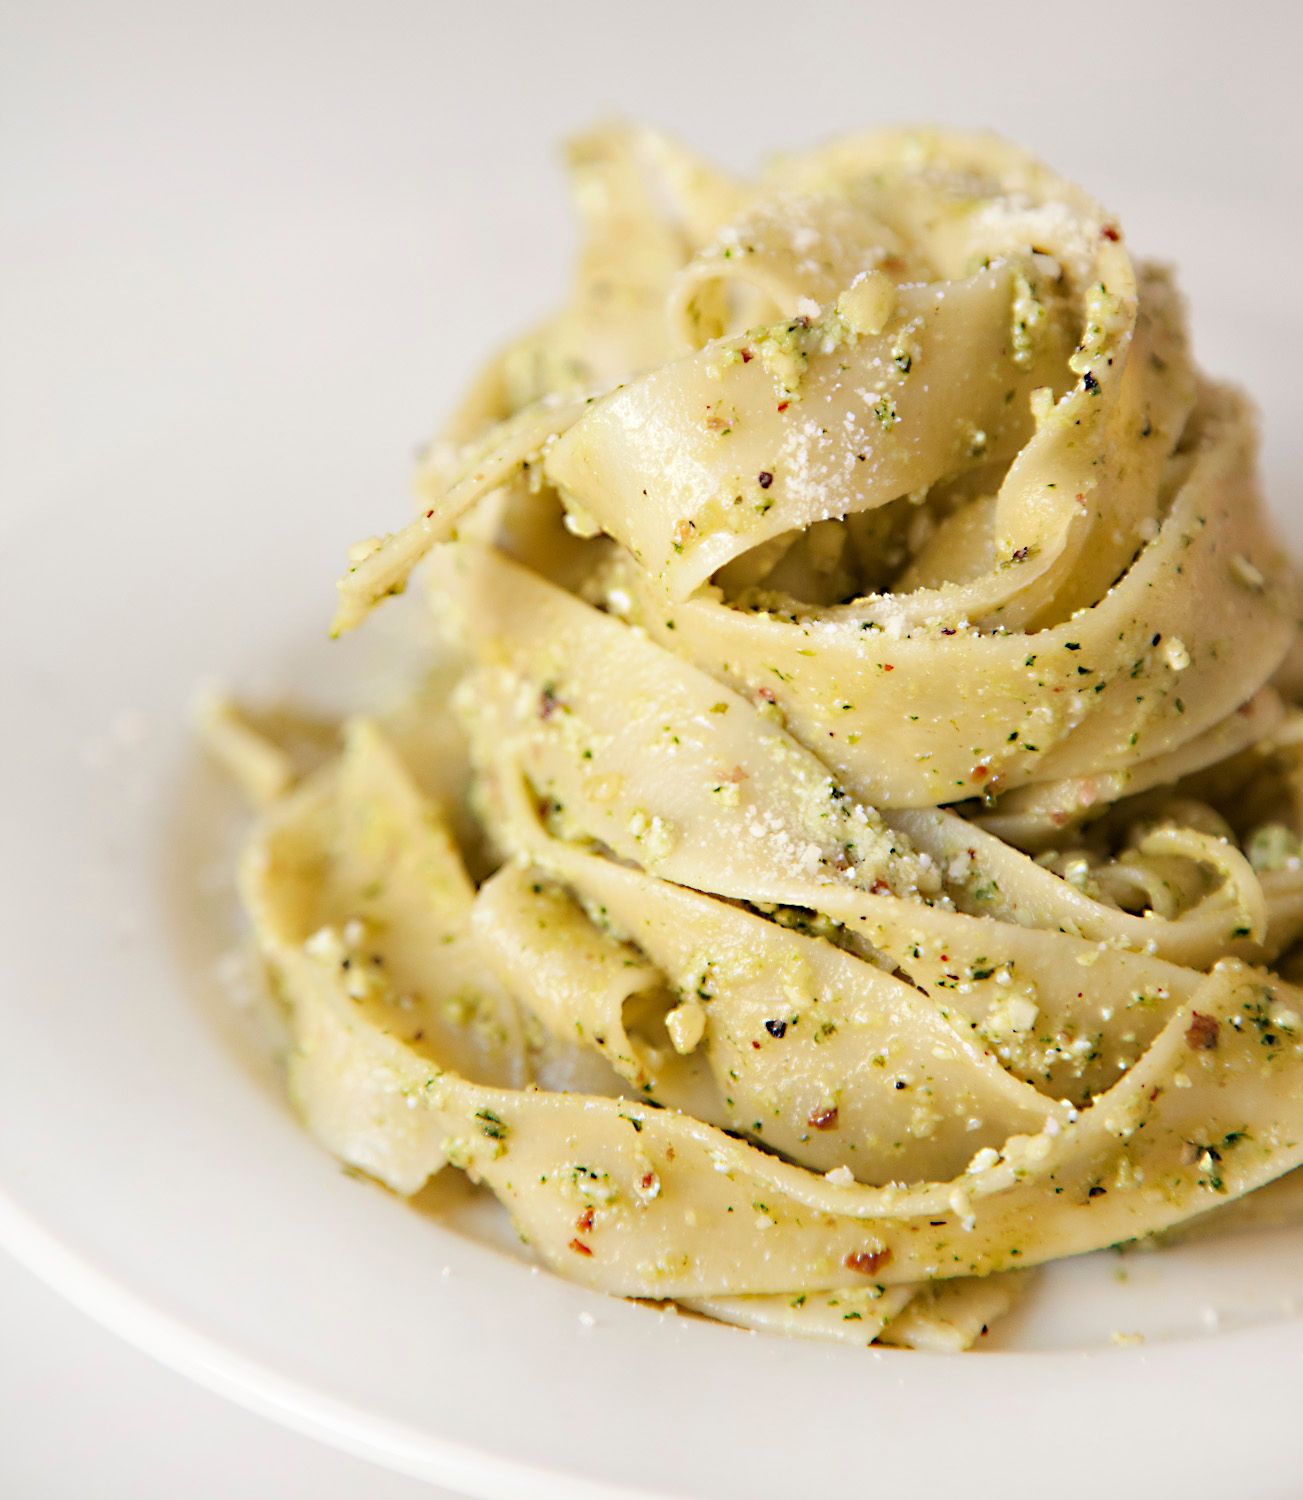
[{"x": 159, "y": 164}]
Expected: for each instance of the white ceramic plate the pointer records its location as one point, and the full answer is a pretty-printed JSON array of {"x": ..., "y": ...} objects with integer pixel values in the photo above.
[
  {"x": 148, "y": 1167},
  {"x": 216, "y": 417}
]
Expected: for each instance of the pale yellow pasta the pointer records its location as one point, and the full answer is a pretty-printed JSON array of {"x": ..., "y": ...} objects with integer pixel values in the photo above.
[{"x": 876, "y": 694}]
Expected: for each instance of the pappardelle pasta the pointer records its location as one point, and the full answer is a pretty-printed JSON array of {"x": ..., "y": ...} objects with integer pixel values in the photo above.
[{"x": 850, "y": 850}]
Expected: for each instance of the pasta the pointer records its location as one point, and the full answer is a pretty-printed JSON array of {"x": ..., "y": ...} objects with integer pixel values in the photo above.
[{"x": 859, "y": 858}]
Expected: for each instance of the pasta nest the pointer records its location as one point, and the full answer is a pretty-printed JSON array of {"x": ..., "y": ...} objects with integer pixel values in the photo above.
[{"x": 875, "y": 756}]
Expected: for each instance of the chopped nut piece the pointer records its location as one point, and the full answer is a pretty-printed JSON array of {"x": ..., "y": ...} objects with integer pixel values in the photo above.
[
  {"x": 1202, "y": 1032},
  {"x": 866, "y": 1262}
]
